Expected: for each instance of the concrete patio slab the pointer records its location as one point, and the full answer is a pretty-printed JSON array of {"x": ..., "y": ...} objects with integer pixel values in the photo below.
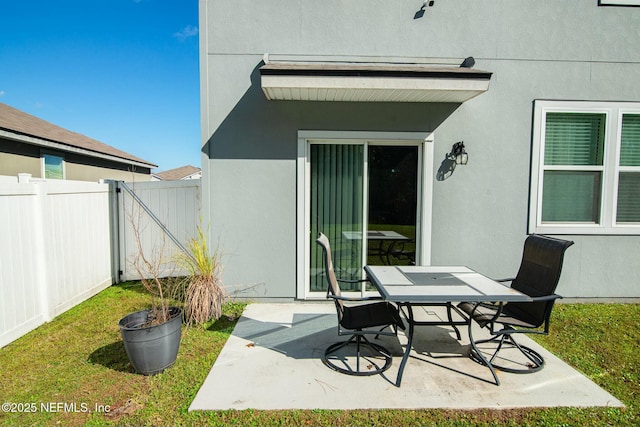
[{"x": 273, "y": 361}]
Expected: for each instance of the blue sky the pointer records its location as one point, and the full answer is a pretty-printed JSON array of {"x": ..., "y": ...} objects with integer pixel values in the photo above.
[{"x": 124, "y": 72}]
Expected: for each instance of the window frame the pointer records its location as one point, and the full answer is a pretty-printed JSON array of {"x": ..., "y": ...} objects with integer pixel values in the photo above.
[
  {"x": 425, "y": 189},
  {"x": 614, "y": 112},
  {"x": 43, "y": 154},
  {"x": 631, "y": 3}
]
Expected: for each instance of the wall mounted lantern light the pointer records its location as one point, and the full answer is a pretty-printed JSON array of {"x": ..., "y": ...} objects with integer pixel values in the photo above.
[
  {"x": 420, "y": 13},
  {"x": 459, "y": 153},
  {"x": 457, "y": 156}
]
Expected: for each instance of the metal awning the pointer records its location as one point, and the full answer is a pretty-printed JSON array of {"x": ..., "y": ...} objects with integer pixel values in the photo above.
[{"x": 371, "y": 82}]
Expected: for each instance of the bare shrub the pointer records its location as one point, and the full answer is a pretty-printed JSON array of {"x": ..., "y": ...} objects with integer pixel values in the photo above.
[{"x": 151, "y": 268}]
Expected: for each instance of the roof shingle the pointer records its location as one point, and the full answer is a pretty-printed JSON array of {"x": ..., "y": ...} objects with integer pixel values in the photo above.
[
  {"x": 178, "y": 173},
  {"x": 16, "y": 121}
]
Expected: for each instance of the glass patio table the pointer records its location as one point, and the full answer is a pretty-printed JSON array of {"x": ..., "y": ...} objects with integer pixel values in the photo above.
[
  {"x": 377, "y": 235},
  {"x": 414, "y": 286}
]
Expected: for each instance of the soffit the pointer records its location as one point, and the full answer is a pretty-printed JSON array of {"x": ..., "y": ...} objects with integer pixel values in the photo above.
[{"x": 371, "y": 82}]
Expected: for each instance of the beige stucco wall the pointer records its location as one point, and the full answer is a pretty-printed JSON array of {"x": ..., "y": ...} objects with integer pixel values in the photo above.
[
  {"x": 92, "y": 173},
  {"x": 13, "y": 164}
]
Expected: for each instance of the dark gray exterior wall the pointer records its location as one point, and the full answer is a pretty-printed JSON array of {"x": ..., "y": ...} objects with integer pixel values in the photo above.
[{"x": 569, "y": 50}]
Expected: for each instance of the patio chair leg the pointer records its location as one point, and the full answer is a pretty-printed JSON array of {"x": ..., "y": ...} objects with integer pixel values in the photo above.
[
  {"x": 476, "y": 355},
  {"x": 338, "y": 346},
  {"x": 537, "y": 361},
  {"x": 378, "y": 335},
  {"x": 372, "y": 367},
  {"x": 382, "y": 349},
  {"x": 358, "y": 339},
  {"x": 492, "y": 339},
  {"x": 455, "y": 328}
]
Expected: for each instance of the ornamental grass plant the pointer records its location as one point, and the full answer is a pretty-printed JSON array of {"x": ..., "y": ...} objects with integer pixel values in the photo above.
[{"x": 204, "y": 292}]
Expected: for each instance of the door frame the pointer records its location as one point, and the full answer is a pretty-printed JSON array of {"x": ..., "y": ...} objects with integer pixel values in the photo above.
[{"x": 425, "y": 140}]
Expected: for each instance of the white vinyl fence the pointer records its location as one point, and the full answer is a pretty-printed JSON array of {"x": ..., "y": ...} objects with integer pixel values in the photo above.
[
  {"x": 160, "y": 215},
  {"x": 54, "y": 252},
  {"x": 62, "y": 242}
]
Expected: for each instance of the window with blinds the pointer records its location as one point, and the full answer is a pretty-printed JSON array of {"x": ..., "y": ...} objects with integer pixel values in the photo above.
[
  {"x": 571, "y": 193},
  {"x": 628, "y": 209},
  {"x": 586, "y": 167},
  {"x": 574, "y": 139}
]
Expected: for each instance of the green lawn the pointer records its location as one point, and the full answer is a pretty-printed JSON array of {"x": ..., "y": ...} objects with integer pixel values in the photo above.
[{"x": 78, "y": 359}]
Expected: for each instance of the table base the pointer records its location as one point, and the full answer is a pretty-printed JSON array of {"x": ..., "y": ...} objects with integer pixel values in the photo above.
[{"x": 407, "y": 311}]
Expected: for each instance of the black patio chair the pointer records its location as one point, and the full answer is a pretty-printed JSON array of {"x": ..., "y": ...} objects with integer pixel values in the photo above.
[
  {"x": 538, "y": 278},
  {"x": 402, "y": 252},
  {"x": 358, "y": 321}
]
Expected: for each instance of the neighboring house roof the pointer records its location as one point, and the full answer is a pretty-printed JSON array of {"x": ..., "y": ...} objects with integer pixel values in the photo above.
[
  {"x": 18, "y": 125},
  {"x": 184, "y": 172}
]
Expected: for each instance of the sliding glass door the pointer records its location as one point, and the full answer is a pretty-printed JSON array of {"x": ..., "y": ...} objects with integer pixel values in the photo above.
[
  {"x": 364, "y": 196},
  {"x": 337, "y": 203},
  {"x": 392, "y": 204}
]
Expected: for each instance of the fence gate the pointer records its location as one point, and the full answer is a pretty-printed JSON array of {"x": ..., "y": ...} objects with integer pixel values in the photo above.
[{"x": 155, "y": 218}]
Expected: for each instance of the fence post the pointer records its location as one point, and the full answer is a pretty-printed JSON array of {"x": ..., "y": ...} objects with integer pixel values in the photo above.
[
  {"x": 114, "y": 230},
  {"x": 24, "y": 178},
  {"x": 39, "y": 252}
]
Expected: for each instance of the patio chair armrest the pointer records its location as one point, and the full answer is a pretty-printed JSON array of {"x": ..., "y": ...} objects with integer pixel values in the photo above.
[
  {"x": 492, "y": 304},
  {"x": 483, "y": 318},
  {"x": 545, "y": 298},
  {"x": 353, "y": 299},
  {"x": 353, "y": 280}
]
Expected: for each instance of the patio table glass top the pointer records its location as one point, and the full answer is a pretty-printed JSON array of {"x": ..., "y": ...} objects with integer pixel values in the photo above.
[
  {"x": 375, "y": 235},
  {"x": 424, "y": 284}
]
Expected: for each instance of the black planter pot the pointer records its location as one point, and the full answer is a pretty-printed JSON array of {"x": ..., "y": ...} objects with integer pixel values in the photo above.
[{"x": 151, "y": 349}]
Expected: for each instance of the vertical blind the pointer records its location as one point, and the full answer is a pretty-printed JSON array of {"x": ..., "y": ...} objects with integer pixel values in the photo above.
[
  {"x": 573, "y": 139},
  {"x": 337, "y": 184},
  {"x": 628, "y": 210}
]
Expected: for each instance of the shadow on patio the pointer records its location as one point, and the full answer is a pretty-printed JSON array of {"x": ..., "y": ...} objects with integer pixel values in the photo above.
[{"x": 273, "y": 361}]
